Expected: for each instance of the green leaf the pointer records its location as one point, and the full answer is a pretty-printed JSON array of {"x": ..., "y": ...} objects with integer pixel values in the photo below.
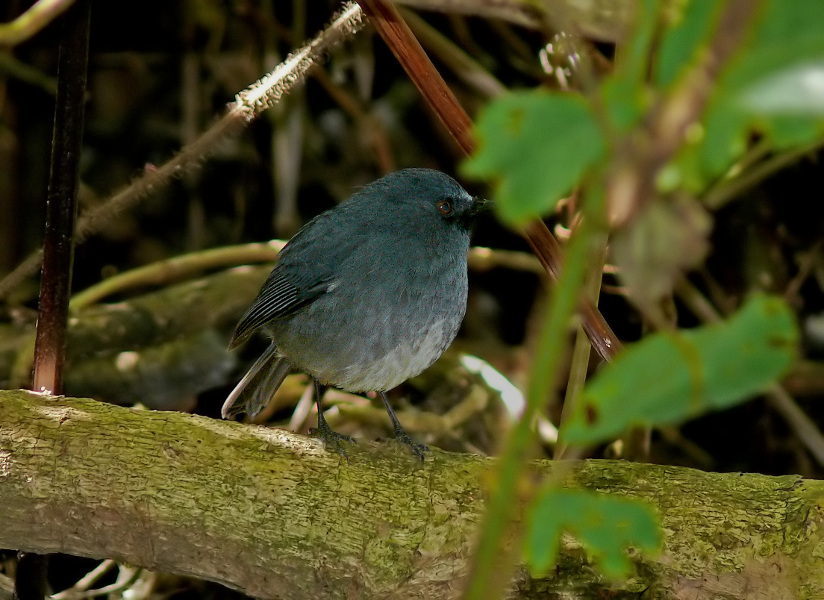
[
  {"x": 690, "y": 23},
  {"x": 786, "y": 33},
  {"x": 753, "y": 96},
  {"x": 632, "y": 58},
  {"x": 534, "y": 147},
  {"x": 624, "y": 94},
  {"x": 606, "y": 525},
  {"x": 797, "y": 90},
  {"x": 669, "y": 377},
  {"x": 625, "y": 102}
]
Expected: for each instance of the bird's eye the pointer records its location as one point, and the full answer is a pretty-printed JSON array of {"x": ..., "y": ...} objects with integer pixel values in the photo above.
[{"x": 445, "y": 207}]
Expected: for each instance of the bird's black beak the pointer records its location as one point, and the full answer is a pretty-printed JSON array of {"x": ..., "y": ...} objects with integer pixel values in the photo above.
[
  {"x": 481, "y": 205},
  {"x": 470, "y": 212}
]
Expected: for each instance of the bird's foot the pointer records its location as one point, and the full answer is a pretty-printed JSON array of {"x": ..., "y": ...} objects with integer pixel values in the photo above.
[
  {"x": 332, "y": 440},
  {"x": 417, "y": 448}
]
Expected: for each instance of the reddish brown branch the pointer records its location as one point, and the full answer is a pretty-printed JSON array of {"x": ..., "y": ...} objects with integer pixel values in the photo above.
[
  {"x": 58, "y": 249},
  {"x": 393, "y": 29},
  {"x": 61, "y": 201},
  {"x": 404, "y": 45}
]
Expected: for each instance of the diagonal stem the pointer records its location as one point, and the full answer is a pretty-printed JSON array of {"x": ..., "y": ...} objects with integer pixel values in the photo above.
[{"x": 389, "y": 23}]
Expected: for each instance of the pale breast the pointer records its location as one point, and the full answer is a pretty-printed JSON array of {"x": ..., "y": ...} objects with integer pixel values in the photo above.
[
  {"x": 399, "y": 364},
  {"x": 367, "y": 342},
  {"x": 379, "y": 321}
]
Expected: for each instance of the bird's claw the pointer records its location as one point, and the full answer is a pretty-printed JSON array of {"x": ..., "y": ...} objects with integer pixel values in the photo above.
[
  {"x": 332, "y": 440},
  {"x": 417, "y": 448}
]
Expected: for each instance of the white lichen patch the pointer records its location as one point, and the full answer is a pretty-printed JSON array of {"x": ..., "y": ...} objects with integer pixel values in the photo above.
[
  {"x": 61, "y": 413},
  {"x": 42, "y": 392},
  {"x": 283, "y": 438}
]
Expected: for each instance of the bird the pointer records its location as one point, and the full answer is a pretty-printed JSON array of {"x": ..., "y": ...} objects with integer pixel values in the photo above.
[{"x": 364, "y": 296}]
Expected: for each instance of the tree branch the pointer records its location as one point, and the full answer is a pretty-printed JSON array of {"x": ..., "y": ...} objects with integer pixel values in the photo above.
[{"x": 274, "y": 515}]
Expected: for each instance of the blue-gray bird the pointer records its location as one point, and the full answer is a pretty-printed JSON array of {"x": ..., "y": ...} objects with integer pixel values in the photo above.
[{"x": 364, "y": 296}]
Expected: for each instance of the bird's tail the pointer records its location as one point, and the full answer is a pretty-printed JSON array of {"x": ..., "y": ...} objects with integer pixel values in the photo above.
[{"x": 258, "y": 386}]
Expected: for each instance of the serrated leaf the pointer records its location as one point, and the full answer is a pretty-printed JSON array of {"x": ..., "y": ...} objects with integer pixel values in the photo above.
[
  {"x": 672, "y": 376},
  {"x": 534, "y": 147},
  {"x": 605, "y": 525}
]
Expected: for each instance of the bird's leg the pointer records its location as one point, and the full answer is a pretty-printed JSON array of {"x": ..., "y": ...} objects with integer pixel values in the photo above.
[
  {"x": 418, "y": 449},
  {"x": 331, "y": 439}
]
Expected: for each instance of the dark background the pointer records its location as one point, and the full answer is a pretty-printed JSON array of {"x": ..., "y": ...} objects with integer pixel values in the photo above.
[{"x": 161, "y": 73}]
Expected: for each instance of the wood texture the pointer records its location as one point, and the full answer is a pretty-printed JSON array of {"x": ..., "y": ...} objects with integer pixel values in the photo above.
[{"x": 272, "y": 514}]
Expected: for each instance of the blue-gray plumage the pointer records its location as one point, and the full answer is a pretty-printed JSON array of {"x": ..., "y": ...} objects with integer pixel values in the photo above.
[{"x": 365, "y": 295}]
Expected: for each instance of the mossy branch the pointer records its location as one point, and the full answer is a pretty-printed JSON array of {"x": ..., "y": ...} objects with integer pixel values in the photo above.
[{"x": 274, "y": 515}]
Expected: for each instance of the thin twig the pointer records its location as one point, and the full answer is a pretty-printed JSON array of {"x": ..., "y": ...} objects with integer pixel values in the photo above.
[
  {"x": 177, "y": 268},
  {"x": 85, "y": 582},
  {"x": 581, "y": 350},
  {"x": 462, "y": 65},
  {"x": 804, "y": 427},
  {"x": 32, "y": 21},
  {"x": 806, "y": 266},
  {"x": 778, "y": 397},
  {"x": 730, "y": 189},
  {"x": 605, "y": 20},
  {"x": 373, "y": 129},
  {"x": 248, "y": 105}
]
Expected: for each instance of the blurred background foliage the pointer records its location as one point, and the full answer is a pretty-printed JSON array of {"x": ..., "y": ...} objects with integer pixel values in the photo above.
[{"x": 161, "y": 73}]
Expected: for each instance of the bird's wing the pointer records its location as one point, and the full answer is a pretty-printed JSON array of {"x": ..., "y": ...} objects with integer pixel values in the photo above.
[
  {"x": 307, "y": 267},
  {"x": 281, "y": 294}
]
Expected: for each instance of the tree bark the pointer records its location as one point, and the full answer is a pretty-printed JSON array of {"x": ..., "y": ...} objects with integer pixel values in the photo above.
[
  {"x": 274, "y": 515},
  {"x": 159, "y": 347}
]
